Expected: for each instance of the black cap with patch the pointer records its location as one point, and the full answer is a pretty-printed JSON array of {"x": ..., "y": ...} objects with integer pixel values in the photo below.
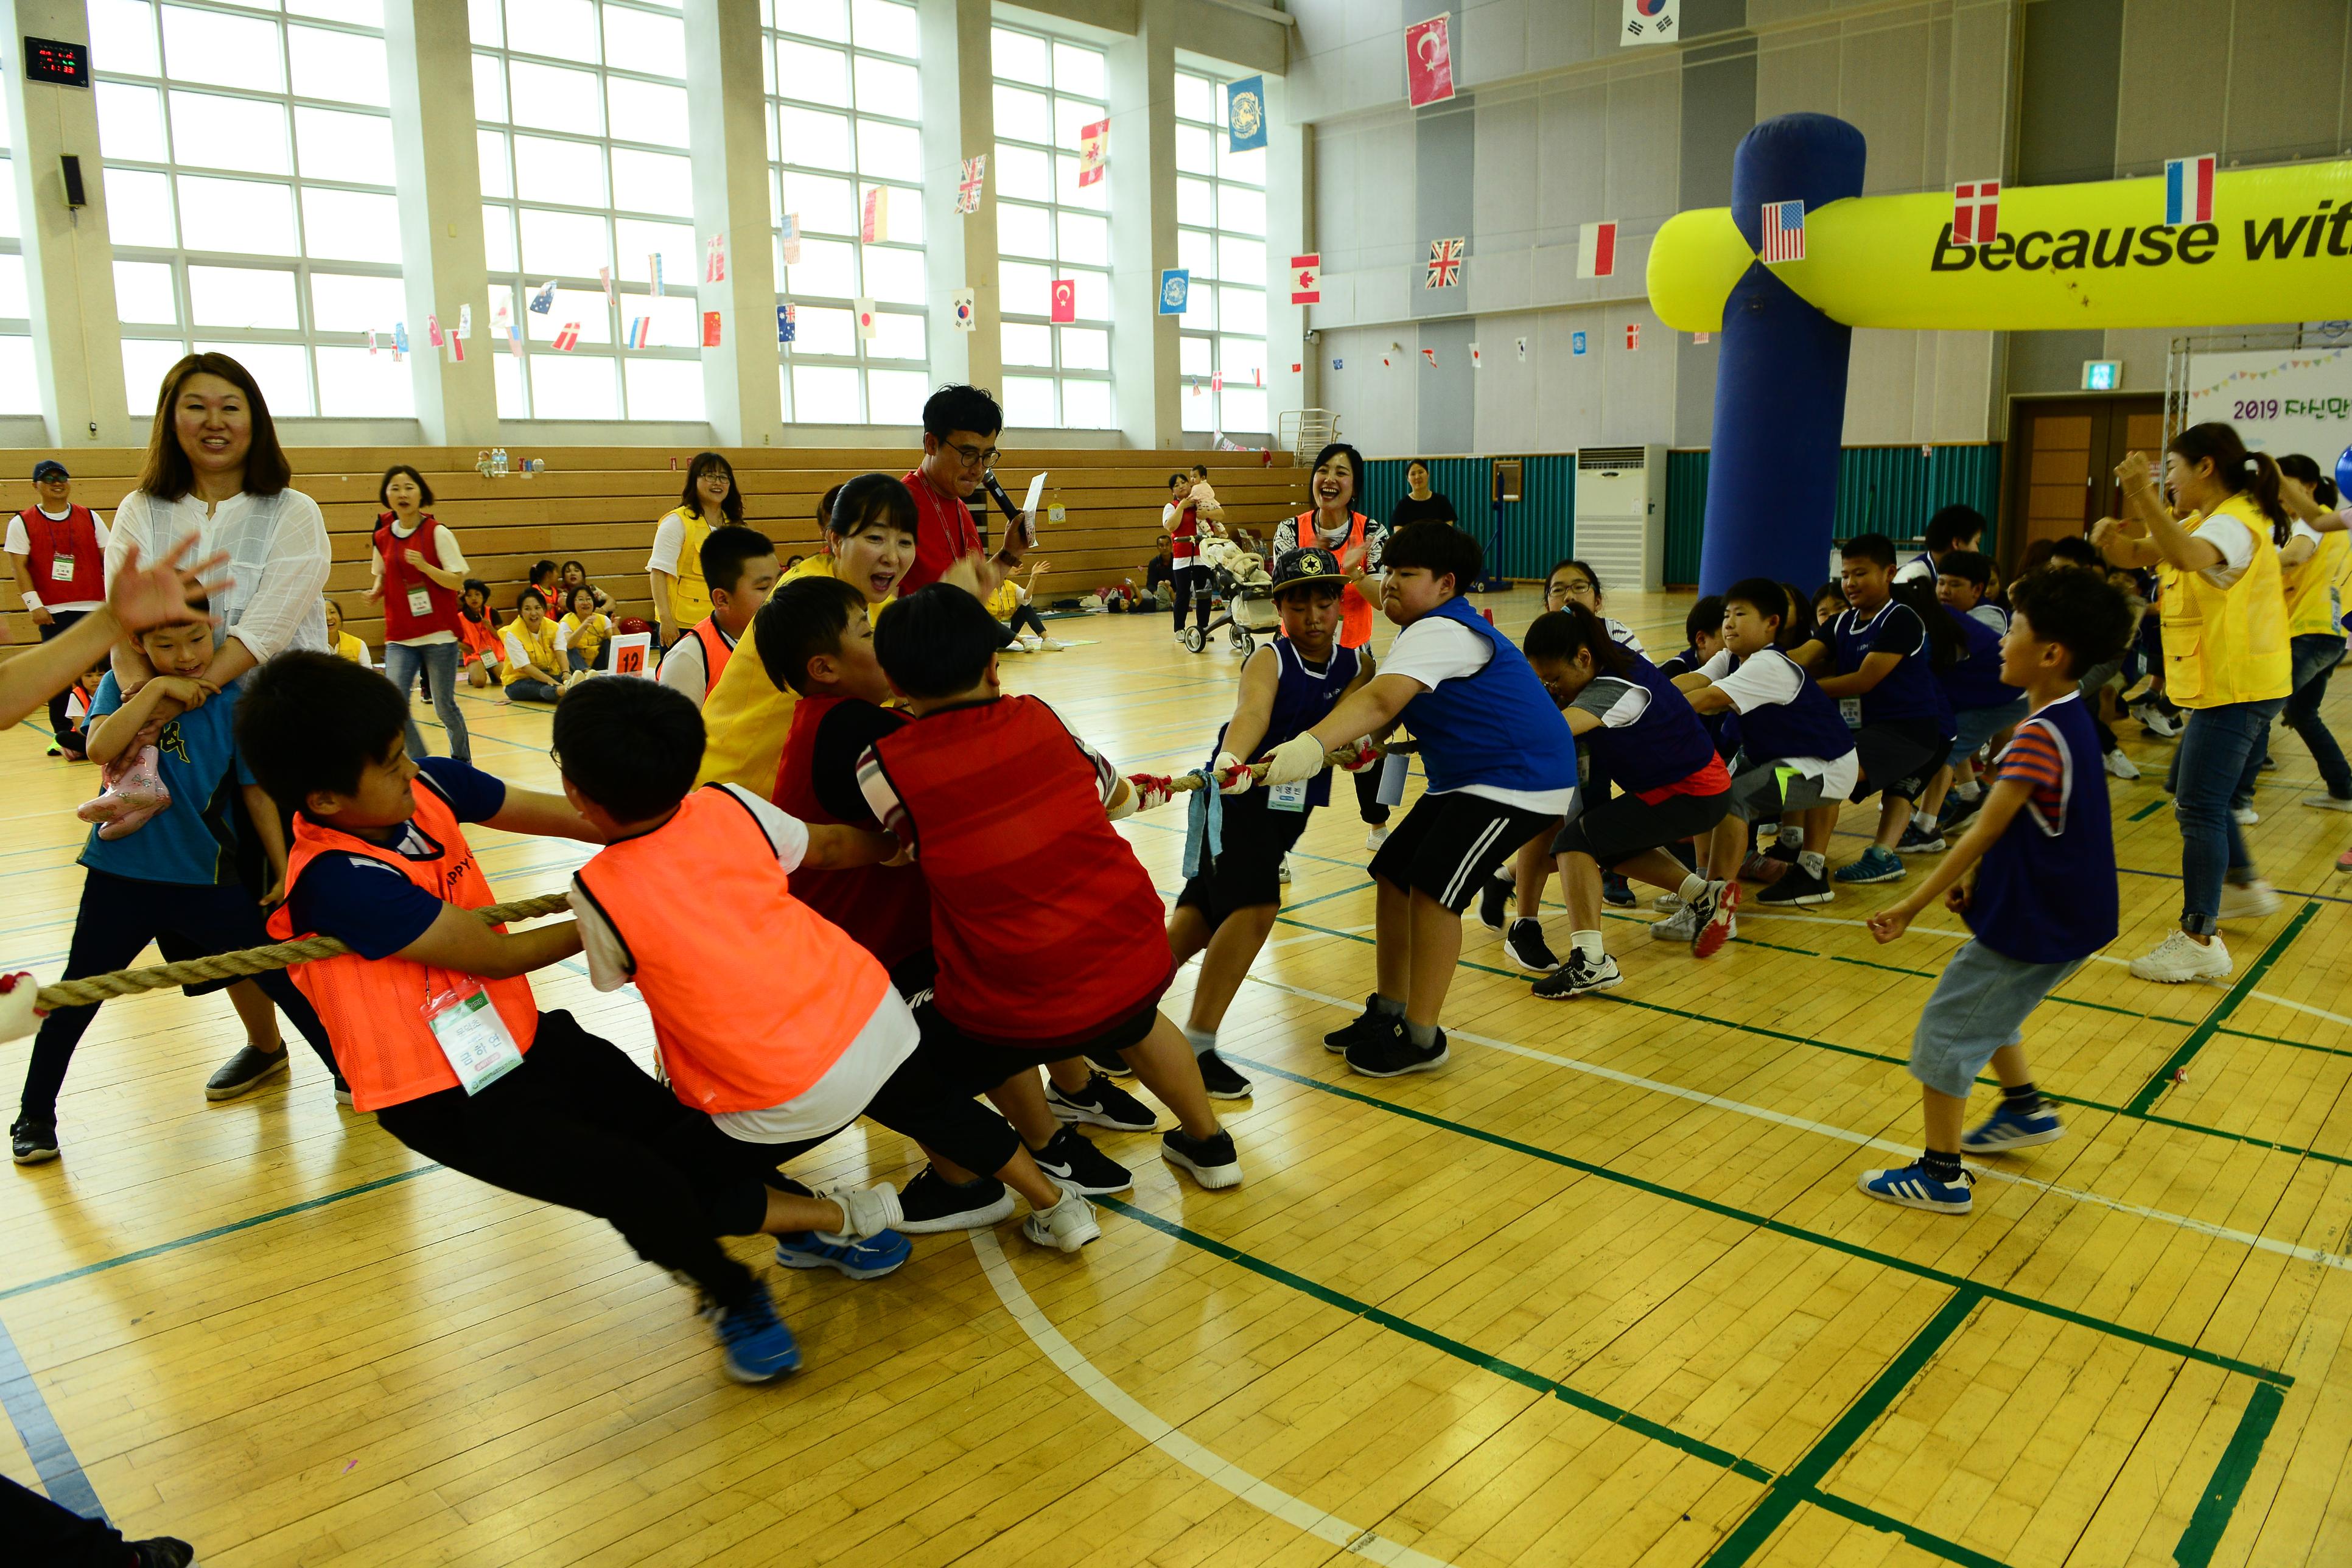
[{"x": 1313, "y": 564}]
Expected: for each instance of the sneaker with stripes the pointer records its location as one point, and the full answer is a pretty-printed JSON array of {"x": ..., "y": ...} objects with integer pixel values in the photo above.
[{"x": 1914, "y": 1188}]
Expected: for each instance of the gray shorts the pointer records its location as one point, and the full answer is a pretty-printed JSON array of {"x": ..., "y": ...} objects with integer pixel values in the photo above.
[
  {"x": 1759, "y": 794},
  {"x": 1979, "y": 1006}
]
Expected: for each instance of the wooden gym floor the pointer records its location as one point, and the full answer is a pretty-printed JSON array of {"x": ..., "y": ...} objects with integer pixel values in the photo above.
[{"x": 1601, "y": 1292}]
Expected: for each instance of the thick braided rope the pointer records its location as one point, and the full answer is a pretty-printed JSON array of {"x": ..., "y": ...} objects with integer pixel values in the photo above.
[
  {"x": 1346, "y": 757},
  {"x": 95, "y": 988}
]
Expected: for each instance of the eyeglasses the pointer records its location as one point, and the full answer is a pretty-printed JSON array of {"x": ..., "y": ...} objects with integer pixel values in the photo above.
[{"x": 973, "y": 456}]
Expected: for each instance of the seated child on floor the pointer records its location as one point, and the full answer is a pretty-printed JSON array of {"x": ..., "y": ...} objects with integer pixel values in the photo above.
[
  {"x": 586, "y": 634},
  {"x": 478, "y": 634},
  {"x": 533, "y": 666}
]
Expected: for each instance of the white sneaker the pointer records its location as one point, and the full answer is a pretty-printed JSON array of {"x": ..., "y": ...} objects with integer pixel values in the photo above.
[
  {"x": 1067, "y": 1226},
  {"x": 1667, "y": 903},
  {"x": 1376, "y": 837},
  {"x": 2244, "y": 816},
  {"x": 2121, "y": 766},
  {"x": 1681, "y": 926},
  {"x": 1282, "y": 871},
  {"x": 2326, "y": 803},
  {"x": 2250, "y": 901},
  {"x": 2178, "y": 957},
  {"x": 1052, "y": 644}
]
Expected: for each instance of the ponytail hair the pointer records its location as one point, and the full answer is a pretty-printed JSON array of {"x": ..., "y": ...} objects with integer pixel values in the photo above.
[
  {"x": 1946, "y": 645},
  {"x": 2295, "y": 466},
  {"x": 1560, "y": 634},
  {"x": 2235, "y": 469}
]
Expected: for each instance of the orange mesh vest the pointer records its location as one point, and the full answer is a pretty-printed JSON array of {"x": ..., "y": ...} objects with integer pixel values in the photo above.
[
  {"x": 375, "y": 1007},
  {"x": 754, "y": 999},
  {"x": 715, "y": 651},
  {"x": 1355, "y": 610}
]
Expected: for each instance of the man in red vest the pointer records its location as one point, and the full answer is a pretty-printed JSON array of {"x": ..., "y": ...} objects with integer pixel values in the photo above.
[
  {"x": 961, "y": 425},
  {"x": 58, "y": 551}
]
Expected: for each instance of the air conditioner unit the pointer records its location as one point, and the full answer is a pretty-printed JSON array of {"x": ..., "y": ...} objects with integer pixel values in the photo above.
[{"x": 1620, "y": 515}]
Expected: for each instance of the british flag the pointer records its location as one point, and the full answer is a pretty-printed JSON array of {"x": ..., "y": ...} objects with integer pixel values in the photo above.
[
  {"x": 1445, "y": 264},
  {"x": 1784, "y": 231}
]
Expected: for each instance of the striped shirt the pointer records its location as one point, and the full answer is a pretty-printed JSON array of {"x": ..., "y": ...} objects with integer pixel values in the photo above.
[{"x": 2034, "y": 757}]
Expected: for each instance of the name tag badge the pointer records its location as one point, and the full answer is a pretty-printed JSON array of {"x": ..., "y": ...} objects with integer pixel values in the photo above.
[
  {"x": 1850, "y": 709},
  {"x": 61, "y": 569},
  {"x": 473, "y": 1037},
  {"x": 1287, "y": 798},
  {"x": 420, "y": 602}
]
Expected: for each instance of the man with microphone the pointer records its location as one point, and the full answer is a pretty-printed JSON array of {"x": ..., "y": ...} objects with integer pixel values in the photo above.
[{"x": 961, "y": 425}]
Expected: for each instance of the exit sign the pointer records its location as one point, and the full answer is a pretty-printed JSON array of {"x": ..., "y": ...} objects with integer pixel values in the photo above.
[
  {"x": 53, "y": 59},
  {"x": 2101, "y": 375}
]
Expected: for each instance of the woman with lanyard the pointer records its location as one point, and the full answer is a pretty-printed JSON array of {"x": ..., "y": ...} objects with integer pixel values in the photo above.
[
  {"x": 1335, "y": 524},
  {"x": 418, "y": 572},
  {"x": 1183, "y": 522},
  {"x": 1421, "y": 504},
  {"x": 681, "y": 599},
  {"x": 2225, "y": 660}
]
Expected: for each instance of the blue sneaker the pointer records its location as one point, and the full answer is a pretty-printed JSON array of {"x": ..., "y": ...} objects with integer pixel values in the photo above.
[
  {"x": 757, "y": 1347},
  {"x": 1914, "y": 1188},
  {"x": 868, "y": 1259},
  {"x": 1616, "y": 892},
  {"x": 1877, "y": 865},
  {"x": 2006, "y": 1129}
]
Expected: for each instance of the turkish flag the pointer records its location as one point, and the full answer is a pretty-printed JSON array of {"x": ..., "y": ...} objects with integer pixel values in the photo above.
[
  {"x": 1428, "y": 62},
  {"x": 1306, "y": 280},
  {"x": 1065, "y": 299}
]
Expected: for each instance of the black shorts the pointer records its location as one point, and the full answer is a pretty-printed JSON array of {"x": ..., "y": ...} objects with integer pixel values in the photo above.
[
  {"x": 1248, "y": 872},
  {"x": 1615, "y": 833},
  {"x": 913, "y": 1101},
  {"x": 1898, "y": 756},
  {"x": 971, "y": 1066},
  {"x": 1448, "y": 844}
]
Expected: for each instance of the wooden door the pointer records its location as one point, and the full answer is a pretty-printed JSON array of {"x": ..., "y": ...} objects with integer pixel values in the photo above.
[{"x": 2062, "y": 476}]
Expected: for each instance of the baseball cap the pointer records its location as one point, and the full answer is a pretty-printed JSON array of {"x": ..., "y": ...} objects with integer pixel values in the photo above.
[
  {"x": 1313, "y": 564},
  {"x": 49, "y": 468}
]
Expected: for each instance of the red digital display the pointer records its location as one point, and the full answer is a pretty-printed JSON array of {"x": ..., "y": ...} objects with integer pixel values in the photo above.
[{"x": 53, "y": 59}]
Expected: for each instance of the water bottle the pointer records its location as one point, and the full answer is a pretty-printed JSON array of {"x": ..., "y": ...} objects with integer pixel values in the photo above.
[{"x": 499, "y": 461}]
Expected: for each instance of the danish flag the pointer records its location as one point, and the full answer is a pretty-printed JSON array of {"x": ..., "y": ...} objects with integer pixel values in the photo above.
[
  {"x": 1976, "y": 211},
  {"x": 569, "y": 338}
]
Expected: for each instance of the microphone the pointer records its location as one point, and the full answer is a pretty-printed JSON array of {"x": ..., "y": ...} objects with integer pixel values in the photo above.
[{"x": 1003, "y": 502}]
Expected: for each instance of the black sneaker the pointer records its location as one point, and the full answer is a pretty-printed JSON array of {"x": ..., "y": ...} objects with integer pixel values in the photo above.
[
  {"x": 1783, "y": 851},
  {"x": 1219, "y": 1079},
  {"x": 931, "y": 1203},
  {"x": 245, "y": 1072},
  {"x": 33, "y": 1143},
  {"x": 1579, "y": 975},
  {"x": 1918, "y": 840},
  {"x": 1616, "y": 892},
  {"x": 342, "y": 1088},
  {"x": 1393, "y": 1054},
  {"x": 1078, "y": 1165},
  {"x": 1525, "y": 947},
  {"x": 160, "y": 1552},
  {"x": 1211, "y": 1161},
  {"x": 1114, "y": 1065},
  {"x": 1101, "y": 1103},
  {"x": 1493, "y": 900},
  {"x": 1799, "y": 887},
  {"x": 1958, "y": 810},
  {"x": 1366, "y": 1025}
]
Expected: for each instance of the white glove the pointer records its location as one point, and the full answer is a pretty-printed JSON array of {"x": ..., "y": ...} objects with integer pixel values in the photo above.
[
  {"x": 866, "y": 1211},
  {"x": 1295, "y": 760},
  {"x": 1227, "y": 762}
]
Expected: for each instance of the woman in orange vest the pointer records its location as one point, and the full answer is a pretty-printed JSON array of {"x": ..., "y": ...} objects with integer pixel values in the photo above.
[
  {"x": 2225, "y": 660},
  {"x": 1356, "y": 539}
]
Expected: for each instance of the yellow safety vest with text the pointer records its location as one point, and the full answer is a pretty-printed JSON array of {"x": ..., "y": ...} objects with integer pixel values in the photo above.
[{"x": 2227, "y": 645}]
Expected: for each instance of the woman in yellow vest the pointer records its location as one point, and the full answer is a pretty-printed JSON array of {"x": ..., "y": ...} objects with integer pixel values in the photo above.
[
  {"x": 675, "y": 569},
  {"x": 2315, "y": 559},
  {"x": 2225, "y": 660}
]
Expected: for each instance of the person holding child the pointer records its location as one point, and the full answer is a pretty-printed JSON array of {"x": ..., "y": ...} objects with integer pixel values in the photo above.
[{"x": 418, "y": 572}]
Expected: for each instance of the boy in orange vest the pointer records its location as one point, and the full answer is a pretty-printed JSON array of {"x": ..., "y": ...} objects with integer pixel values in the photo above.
[
  {"x": 739, "y": 565},
  {"x": 778, "y": 1071},
  {"x": 432, "y": 1016}
]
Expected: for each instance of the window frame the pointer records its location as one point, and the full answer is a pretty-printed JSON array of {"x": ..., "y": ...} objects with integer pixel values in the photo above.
[{"x": 1224, "y": 350}]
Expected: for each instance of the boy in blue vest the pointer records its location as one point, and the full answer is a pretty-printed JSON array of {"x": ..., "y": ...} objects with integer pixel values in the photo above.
[
  {"x": 1984, "y": 708},
  {"x": 1501, "y": 769},
  {"x": 2044, "y": 898}
]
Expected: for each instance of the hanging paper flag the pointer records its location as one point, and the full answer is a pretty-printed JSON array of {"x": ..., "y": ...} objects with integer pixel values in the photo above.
[
  {"x": 1217, "y": 382},
  {"x": 545, "y": 301},
  {"x": 1428, "y": 62},
  {"x": 1632, "y": 337},
  {"x": 465, "y": 321},
  {"x": 641, "y": 332},
  {"x": 1093, "y": 151},
  {"x": 400, "y": 337},
  {"x": 1245, "y": 114},
  {"x": 457, "y": 349},
  {"x": 1257, "y": 376},
  {"x": 1784, "y": 231},
  {"x": 1338, "y": 364},
  {"x": 604, "y": 276},
  {"x": 711, "y": 329},
  {"x": 966, "y": 311},
  {"x": 1296, "y": 367},
  {"x": 1065, "y": 299},
  {"x": 789, "y": 239},
  {"x": 1429, "y": 357},
  {"x": 568, "y": 338},
  {"x": 654, "y": 266},
  {"x": 864, "y": 309},
  {"x": 788, "y": 323},
  {"x": 1596, "y": 249},
  {"x": 1384, "y": 358},
  {"x": 1445, "y": 264},
  {"x": 874, "y": 224},
  {"x": 1976, "y": 211},
  {"x": 714, "y": 259},
  {"x": 1699, "y": 337},
  {"x": 1475, "y": 362},
  {"x": 1522, "y": 343},
  {"x": 503, "y": 319},
  {"x": 370, "y": 339},
  {"x": 433, "y": 330},
  {"x": 1576, "y": 343},
  {"x": 1652, "y": 21},
  {"x": 975, "y": 175},
  {"x": 1175, "y": 291},
  {"x": 1306, "y": 279},
  {"x": 2188, "y": 190}
]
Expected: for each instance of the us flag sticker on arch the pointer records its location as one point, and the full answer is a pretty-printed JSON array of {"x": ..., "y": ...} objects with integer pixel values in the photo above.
[{"x": 1784, "y": 231}]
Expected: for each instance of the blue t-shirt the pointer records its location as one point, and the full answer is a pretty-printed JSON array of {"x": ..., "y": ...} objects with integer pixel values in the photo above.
[
  {"x": 367, "y": 904},
  {"x": 193, "y": 841}
]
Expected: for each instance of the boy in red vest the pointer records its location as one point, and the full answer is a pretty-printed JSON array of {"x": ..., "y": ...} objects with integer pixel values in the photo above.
[
  {"x": 815, "y": 639},
  {"x": 1047, "y": 929},
  {"x": 740, "y": 566},
  {"x": 432, "y": 1019},
  {"x": 778, "y": 1070},
  {"x": 58, "y": 551}
]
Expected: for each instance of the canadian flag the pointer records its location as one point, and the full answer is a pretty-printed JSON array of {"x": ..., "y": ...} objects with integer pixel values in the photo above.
[
  {"x": 1306, "y": 280},
  {"x": 1065, "y": 299},
  {"x": 1633, "y": 336},
  {"x": 1596, "y": 249},
  {"x": 569, "y": 338},
  {"x": 1976, "y": 211}
]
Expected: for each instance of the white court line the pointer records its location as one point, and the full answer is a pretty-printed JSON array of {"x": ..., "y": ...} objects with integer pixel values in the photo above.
[
  {"x": 1097, "y": 1386},
  {"x": 1697, "y": 1097}
]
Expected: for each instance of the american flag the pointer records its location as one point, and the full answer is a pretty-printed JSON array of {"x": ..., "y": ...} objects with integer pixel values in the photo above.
[
  {"x": 1784, "y": 231},
  {"x": 1976, "y": 211},
  {"x": 1445, "y": 264},
  {"x": 2188, "y": 190}
]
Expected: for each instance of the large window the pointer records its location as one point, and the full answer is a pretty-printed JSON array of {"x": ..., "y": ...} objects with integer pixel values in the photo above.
[
  {"x": 19, "y": 392},
  {"x": 1220, "y": 241},
  {"x": 250, "y": 190},
  {"x": 582, "y": 113},
  {"x": 1049, "y": 228}
]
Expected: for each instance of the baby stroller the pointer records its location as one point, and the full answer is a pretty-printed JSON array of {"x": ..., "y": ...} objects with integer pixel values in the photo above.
[{"x": 1248, "y": 591}]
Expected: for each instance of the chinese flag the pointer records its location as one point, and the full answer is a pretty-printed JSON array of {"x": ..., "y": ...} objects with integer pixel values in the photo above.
[
  {"x": 711, "y": 329},
  {"x": 1065, "y": 299},
  {"x": 1428, "y": 62}
]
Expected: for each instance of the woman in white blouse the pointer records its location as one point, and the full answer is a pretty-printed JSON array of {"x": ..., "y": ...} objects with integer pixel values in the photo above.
[{"x": 214, "y": 470}]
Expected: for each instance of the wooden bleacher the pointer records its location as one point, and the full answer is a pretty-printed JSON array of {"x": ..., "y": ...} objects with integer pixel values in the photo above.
[{"x": 598, "y": 505}]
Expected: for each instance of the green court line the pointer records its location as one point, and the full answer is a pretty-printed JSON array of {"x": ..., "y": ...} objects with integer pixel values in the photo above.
[
  {"x": 1807, "y": 1473},
  {"x": 2150, "y": 809},
  {"x": 2229, "y": 1476},
  {"x": 2139, "y": 1103},
  {"x": 1776, "y": 1226},
  {"x": 2281, "y": 1040}
]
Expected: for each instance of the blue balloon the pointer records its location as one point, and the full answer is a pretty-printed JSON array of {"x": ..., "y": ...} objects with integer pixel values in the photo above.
[{"x": 2344, "y": 473}]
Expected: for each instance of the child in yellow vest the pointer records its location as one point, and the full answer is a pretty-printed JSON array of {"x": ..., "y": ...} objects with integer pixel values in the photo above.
[{"x": 534, "y": 666}]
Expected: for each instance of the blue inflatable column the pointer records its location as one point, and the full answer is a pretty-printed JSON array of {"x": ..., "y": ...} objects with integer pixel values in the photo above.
[{"x": 1779, "y": 390}]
